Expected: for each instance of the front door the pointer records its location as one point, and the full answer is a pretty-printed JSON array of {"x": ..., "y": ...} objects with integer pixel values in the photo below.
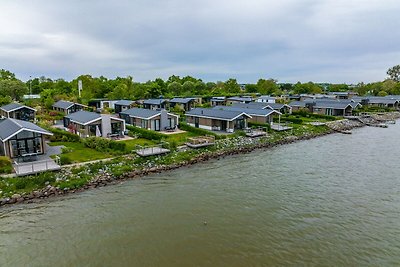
[
  {"x": 156, "y": 125},
  {"x": 196, "y": 122}
]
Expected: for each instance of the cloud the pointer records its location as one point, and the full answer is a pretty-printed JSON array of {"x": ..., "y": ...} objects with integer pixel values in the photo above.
[{"x": 330, "y": 40}]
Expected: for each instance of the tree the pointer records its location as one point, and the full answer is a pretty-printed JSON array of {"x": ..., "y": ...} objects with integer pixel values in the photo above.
[
  {"x": 7, "y": 75},
  {"x": 394, "y": 73},
  {"x": 338, "y": 88},
  {"x": 13, "y": 88},
  {"x": 267, "y": 87},
  {"x": 251, "y": 88},
  {"x": 175, "y": 88},
  {"x": 188, "y": 88},
  {"x": 231, "y": 86}
]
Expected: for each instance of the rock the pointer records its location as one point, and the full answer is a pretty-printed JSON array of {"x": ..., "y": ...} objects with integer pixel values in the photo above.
[{"x": 16, "y": 196}]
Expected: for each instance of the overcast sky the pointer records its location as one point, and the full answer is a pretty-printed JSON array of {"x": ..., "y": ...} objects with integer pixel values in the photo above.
[{"x": 289, "y": 40}]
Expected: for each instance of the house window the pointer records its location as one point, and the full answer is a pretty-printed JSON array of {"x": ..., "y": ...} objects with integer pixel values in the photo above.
[
  {"x": 328, "y": 111},
  {"x": 143, "y": 124}
]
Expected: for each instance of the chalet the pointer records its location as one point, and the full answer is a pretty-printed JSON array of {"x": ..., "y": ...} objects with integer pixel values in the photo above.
[
  {"x": 67, "y": 107},
  {"x": 326, "y": 107},
  {"x": 385, "y": 102},
  {"x": 236, "y": 99},
  {"x": 265, "y": 99},
  {"x": 122, "y": 105},
  {"x": 218, "y": 101},
  {"x": 20, "y": 138},
  {"x": 156, "y": 120},
  {"x": 217, "y": 119},
  {"x": 102, "y": 103},
  {"x": 264, "y": 116},
  {"x": 155, "y": 104},
  {"x": 18, "y": 111},
  {"x": 344, "y": 95},
  {"x": 85, "y": 124},
  {"x": 281, "y": 108},
  {"x": 185, "y": 103}
]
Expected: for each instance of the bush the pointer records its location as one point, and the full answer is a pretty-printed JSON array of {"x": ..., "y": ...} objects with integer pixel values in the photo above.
[
  {"x": 5, "y": 165},
  {"x": 256, "y": 125},
  {"x": 288, "y": 119},
  {"x": 103, "y": 145},
  {"x": 184, "y": 126},
  {"x": 144, "y": 133},
  {"x": 65, "y": 160},
  {"x": 63, "y": 136}
]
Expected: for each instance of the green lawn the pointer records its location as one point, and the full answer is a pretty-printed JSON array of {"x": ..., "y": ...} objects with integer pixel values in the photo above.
[
  {"x": 80, "y": 153},
  {"x": 131, "y": 144},
  {"x": 179, "y": 138}
]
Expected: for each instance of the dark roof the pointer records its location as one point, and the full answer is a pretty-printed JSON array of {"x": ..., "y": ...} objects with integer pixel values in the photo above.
[
  {"x": 154, "y": 101},
  {"x": 182, "y": 100},
  {"x": 242, "y": 99},
  {"x": 250, "y": 111},
  {"x": 216, "y": 113},
  {"x": 255, "y": 105},
  {"x": 298, "y": 104},
  {"x": 14, "y": 106},
  {"x": 332, "y": 104},
  {"x": 382, "y": 100},
  {"x": 141, "y": 113},
  {"x": 11, "y": 127},
  {"x": 124, "y": 102},
  {"x": 83, "y": 117},
  {"x": 64, "y": 104}
]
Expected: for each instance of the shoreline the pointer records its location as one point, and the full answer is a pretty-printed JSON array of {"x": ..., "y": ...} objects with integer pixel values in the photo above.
[{"x": 106, "y": 179}]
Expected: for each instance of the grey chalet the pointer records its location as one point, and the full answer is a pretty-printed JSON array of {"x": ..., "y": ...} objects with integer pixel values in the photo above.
[
  {"x": 67, "y": 107},
  {"x": 20, "y": 138},
  {"x": 156, "y": 120},
  {"x": 18, "y": 111},
  {"x": 217, "y": 119},
  {"x": 85, "y": 124}
]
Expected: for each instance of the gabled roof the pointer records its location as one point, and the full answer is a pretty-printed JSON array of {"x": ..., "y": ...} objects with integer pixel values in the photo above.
[
  {"x": 250, "y": 111},
  {"x": 11, "y": 127},
  {"x": 14, "y": 106},
  {"x": 332, "y": 104},
  {"x": 143, "y": 113},
  {"x": 267, "y": 97},
  {"x": 65, "y": 104},
  {"x": 227, "y": 115},
  {"x": 242, "y": 99},
  {"x": 182, "y": 100},
  {"x": 154, "y": 101},
  {"x": 260, "y": 105},
  {"x": 124, "y": 102},
  {"x": 83, "y": 117},
  {"x": 382, "y": 100},
  {"x": 298, "y": 104}
]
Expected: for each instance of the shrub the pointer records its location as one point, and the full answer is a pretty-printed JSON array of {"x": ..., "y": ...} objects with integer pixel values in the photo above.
[
  {"x": 65, "y": 160},
  {"x": 103, "y": 145},
  {"x": 5, "y": 165},
  {"x": 198, "y": 131},
  {"x": 288, "y": 119},
  {"x": 144, "y": 133},
  {"x": 63, "y": 136}
]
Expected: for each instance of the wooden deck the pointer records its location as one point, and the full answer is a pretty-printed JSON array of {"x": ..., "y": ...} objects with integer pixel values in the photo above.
[
  {"x": 255, "y": 133},
  {"x": 34, "y": 167},
  {"x": 277, "y": 127},
  {"x": 152, "y": 151},
  {"x": 200, "y": 141}
]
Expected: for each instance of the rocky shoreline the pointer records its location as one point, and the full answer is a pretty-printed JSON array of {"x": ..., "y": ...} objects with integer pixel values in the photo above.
[{"x": 106, "y": 179}]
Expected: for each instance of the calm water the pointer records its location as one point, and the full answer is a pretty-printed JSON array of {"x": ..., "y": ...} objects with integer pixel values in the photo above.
[{"x": 331, "y": 201}]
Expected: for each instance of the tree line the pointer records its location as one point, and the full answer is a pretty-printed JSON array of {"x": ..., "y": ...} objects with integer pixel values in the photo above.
[{"x": 13, "y": 89}]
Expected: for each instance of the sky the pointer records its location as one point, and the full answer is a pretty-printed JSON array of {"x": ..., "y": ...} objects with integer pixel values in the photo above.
[{"x": 337, "y": 41}]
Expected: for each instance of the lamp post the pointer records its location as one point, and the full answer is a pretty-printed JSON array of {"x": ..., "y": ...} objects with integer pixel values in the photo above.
[{"x": 30, "y": 85}]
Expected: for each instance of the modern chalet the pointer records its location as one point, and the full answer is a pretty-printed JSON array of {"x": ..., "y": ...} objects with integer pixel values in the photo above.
[
  {"x": 18, "y": 111},
  {"x": 156, "y": 120}
]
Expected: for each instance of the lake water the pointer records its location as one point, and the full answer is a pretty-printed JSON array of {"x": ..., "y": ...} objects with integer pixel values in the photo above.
[{"x": 330, "y": 201}]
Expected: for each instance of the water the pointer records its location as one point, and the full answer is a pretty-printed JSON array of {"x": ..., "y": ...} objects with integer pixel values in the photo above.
[{"x": 331, "y": 201}]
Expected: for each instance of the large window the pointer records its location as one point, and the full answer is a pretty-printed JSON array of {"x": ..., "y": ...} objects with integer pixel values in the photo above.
[
  {"x": 26, "y": 143},
  {"x": 143, "y": 124}
]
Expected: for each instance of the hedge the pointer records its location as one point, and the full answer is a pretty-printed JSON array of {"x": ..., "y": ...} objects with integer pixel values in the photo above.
[
  {"x": 103, "y": 145},
  {"x": 287, "y": 119},
  {"x": 185, "y": 127},
  {"x": 63, "y": 136},
  {"x": 144, "y": 133},
  {"x": 5, "y": 165}
]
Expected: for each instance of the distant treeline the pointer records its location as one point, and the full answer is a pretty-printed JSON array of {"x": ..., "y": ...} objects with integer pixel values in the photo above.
[{"x": 11, "y": 88}]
